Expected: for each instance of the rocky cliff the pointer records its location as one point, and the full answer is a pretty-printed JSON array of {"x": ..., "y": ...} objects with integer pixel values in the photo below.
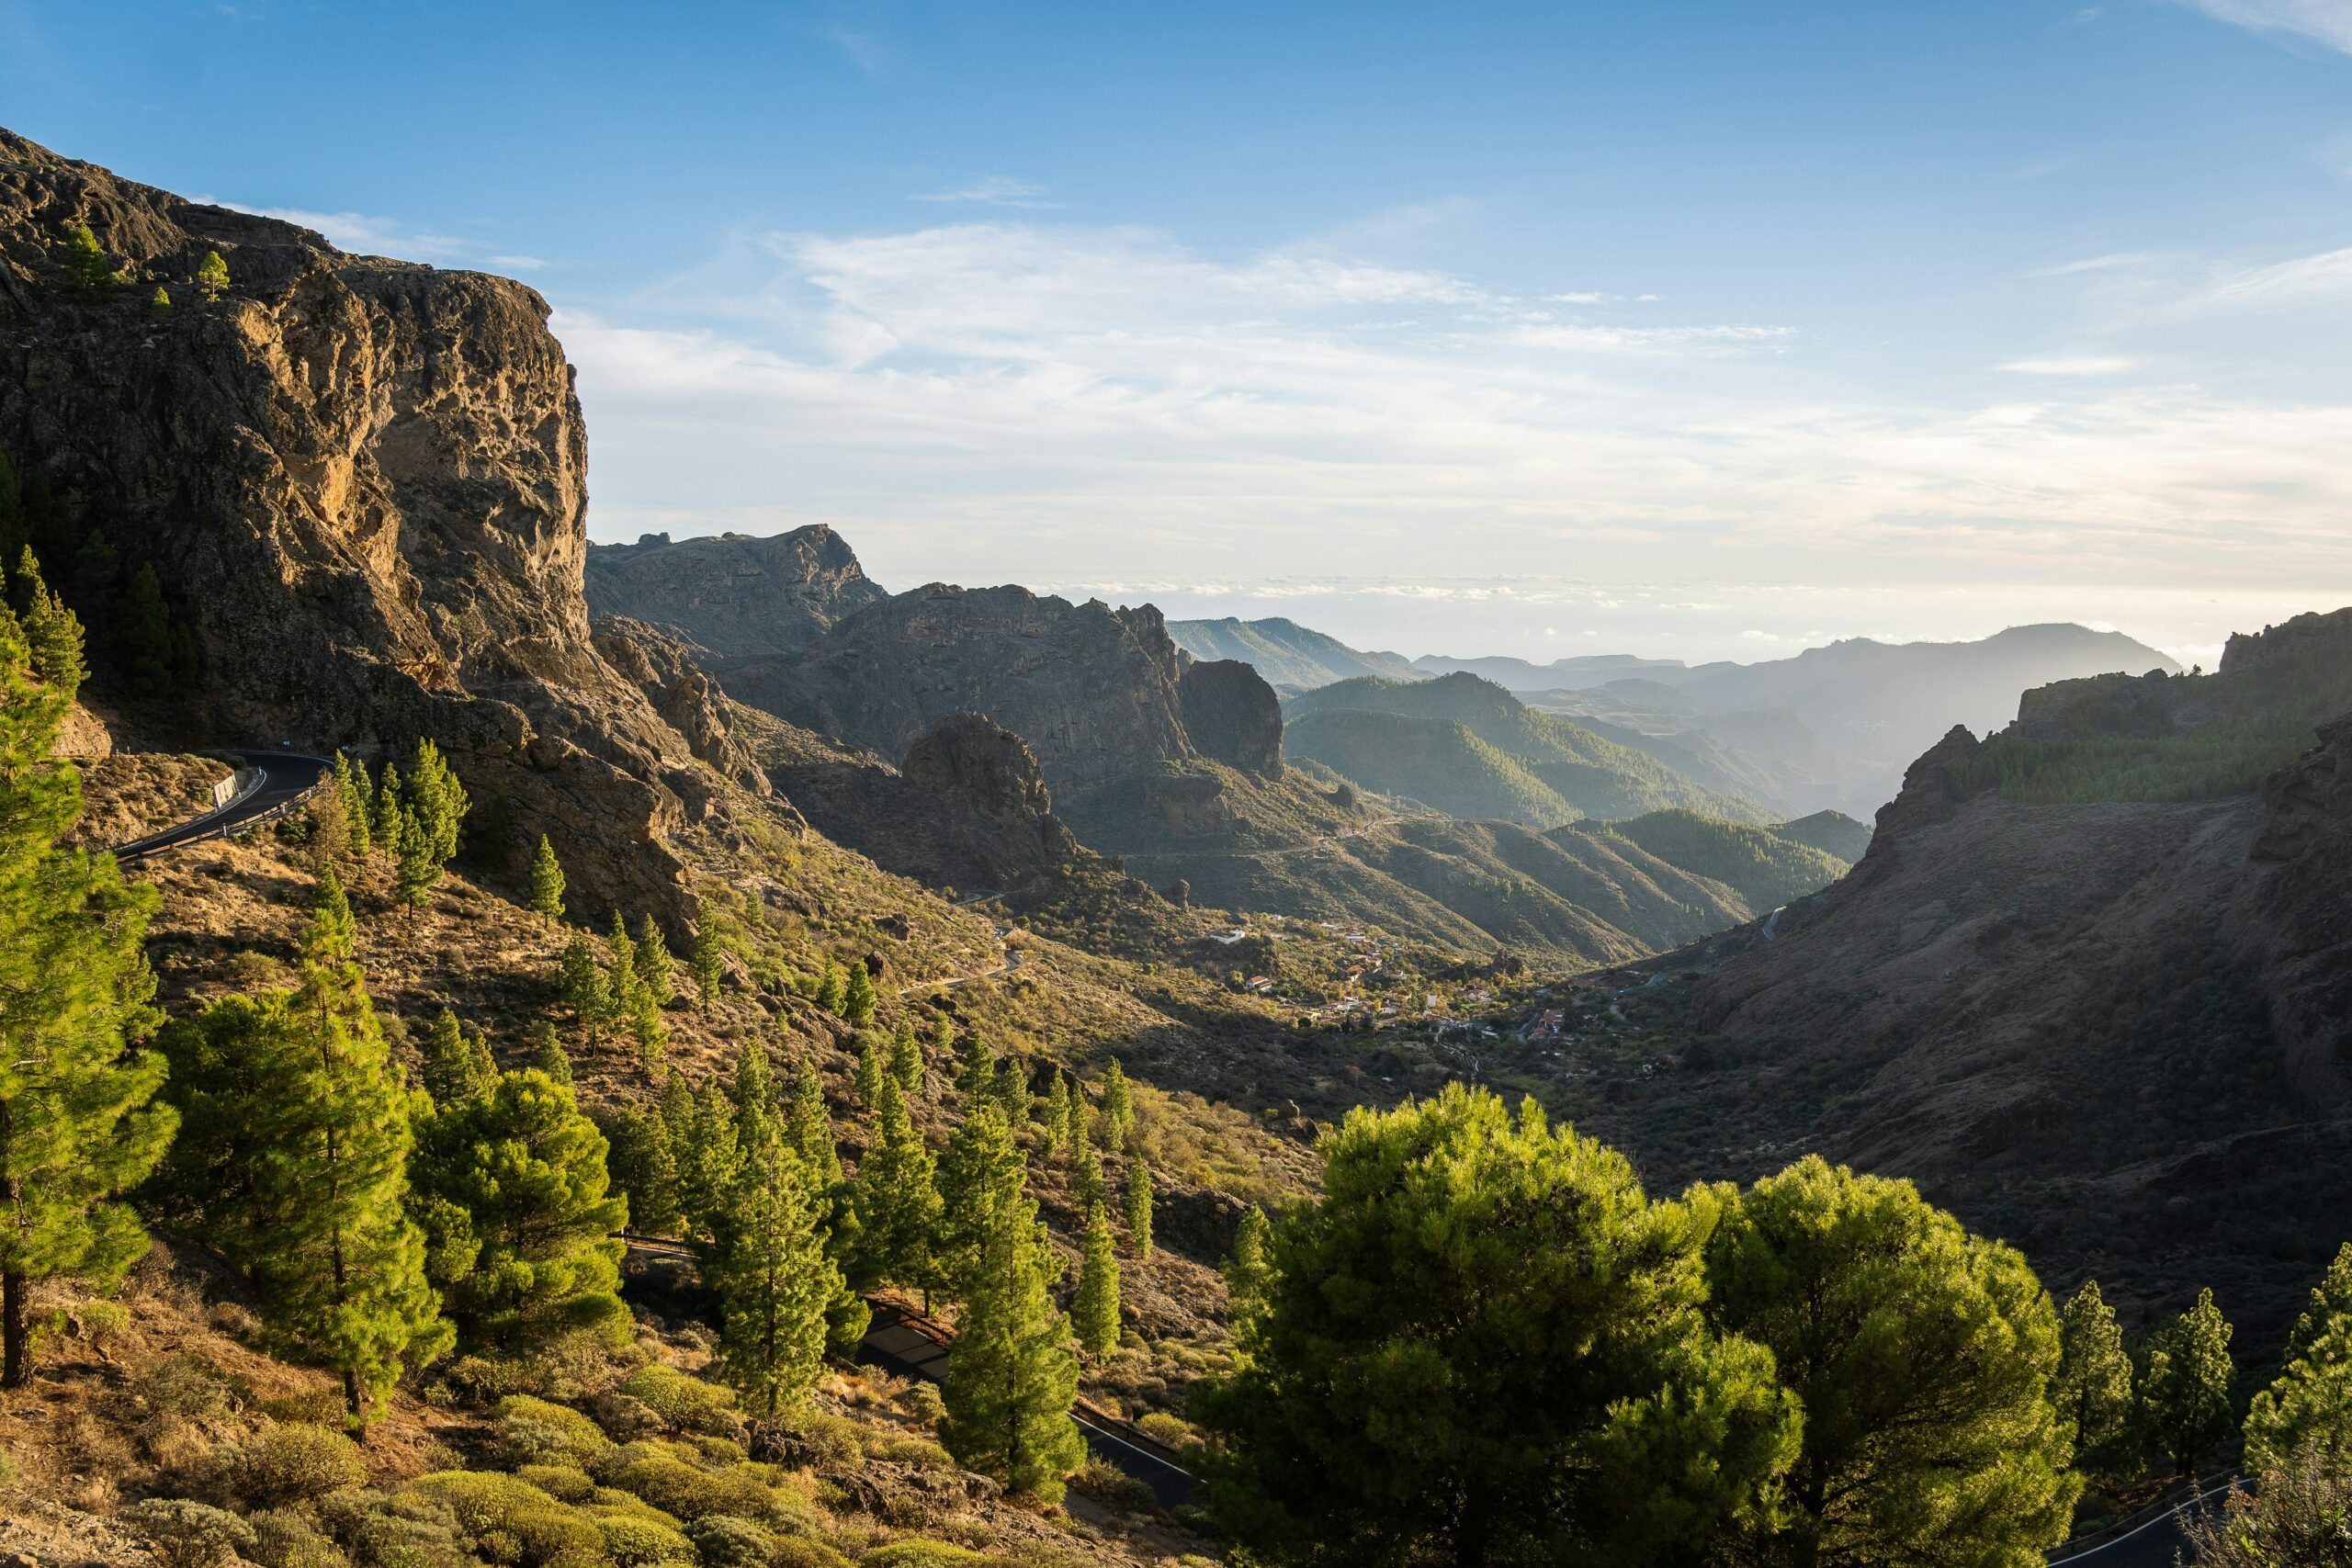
[
  {"x": 361, "y": 484},
  {"x": 733, "y": 595},
  {"x": 1097, "y": 693},
  {"x": 2118, "y": 1032}
]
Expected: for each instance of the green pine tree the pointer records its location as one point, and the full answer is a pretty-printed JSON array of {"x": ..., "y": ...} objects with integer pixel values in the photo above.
[
  {"x": 2304, "y": 1417},
  {"x": 2093, "y": 1387},
  {"x": 2331, "y": 1306},
  {"x": 897, "y": 1201},
  {"x": 1057, "y": 1113},
  {"x": 439, "y": 800},
  {"x": 86, "y": 272},
  {"x": 528, "y": 1169},
  {"x": 2185, "y": 1394},
  {"x": 708, "y": 959},
  {"x": 976, "y": 1074},
  {"x": 758, "y": 1128},
  {"x": 1011, "y": 1375},
  {"x": 1086, "y": 1181},
  {"x": 338, "y": 1265},
  {"x": 870, "y": 1072},
  {"x": 942, "y": 1038},
  {"x": 384, "y": 811},
  {"x": 906, "y": 1061},
  {"x": 458, "y": 1066},
  {"x": 1094, "y": 1309},
  {"x": 982, "y": 1169},
  {"x": 414, "y": 866},
  {"x": 1118, "y": 1108},
  {"x": 708, "y": 1159},
  {"x": 832, "y": 990},
  {"x": 78, "y": 1123},
  {"x": 547, "y": 1054},
  {"x": 351, "y": 782},
  {"x": 547, "y": 883},
  {"x": 1249, "y": 1270},
  {"x": 160, "y": 302},
  {"x": 653, "y": 966},
  {"x": 1012, "y": 1096},
  {"x": 583, "y": 989},
  {"x": 1138, "y": 1202},
  {"x": 211, "y": 277},
  {"x": 775, "y": 1285},
  {"x": 644, "y": 1170},
  {"x": 857, "y": 995},
  {"x": 811, "y": 1128},
  {"x": 633, "y": 1004}
]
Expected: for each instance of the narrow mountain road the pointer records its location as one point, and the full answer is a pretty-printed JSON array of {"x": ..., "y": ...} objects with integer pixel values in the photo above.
[
  {"x": 2154, "y": 1542},
  {"x": 280, "y": 779}
]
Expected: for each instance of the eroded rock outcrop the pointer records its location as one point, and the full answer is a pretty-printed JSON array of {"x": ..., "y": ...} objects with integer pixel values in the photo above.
[
  {"x": 1232, "y": 714},
  {"x": 733, "y": 595},
  {"x": 361, "y": 483}
]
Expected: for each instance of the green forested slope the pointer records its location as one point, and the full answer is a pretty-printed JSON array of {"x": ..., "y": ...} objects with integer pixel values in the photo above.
[{"x": 1765, "y": 869}]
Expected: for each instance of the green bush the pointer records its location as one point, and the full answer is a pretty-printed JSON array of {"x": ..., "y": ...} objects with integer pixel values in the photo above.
[
  {"x": 816, "y": 1439},
  {"x": 294, "y": 1462},
  {"x": 799, "y": 1551},
  {"x": 320, "y": 1406},
  {"x": 510, "y": 1520},
  {"x": 406, "y": 1530},
  {"x": 561, "y": 1481},
  {"x": 285, "y": 1540},
  {"x": 631, "y": 1542},
  {"x": 725, "y": 1542},
  {"x": 186, "y": 1385},
  {"x": 923, "y": 1403},
  {"x": 686, "y": 1402},
  {"x": 1172, "y": 1431},
  {"x": 921, "y": 1452},
  {"x": 675, "y": 1487},
  {"x": 534, "y": 1431},
  {"x": 185, "y": 1534},
  {"x": 927, "y": 1554},
  {"x": 1114, "y": 1488}
]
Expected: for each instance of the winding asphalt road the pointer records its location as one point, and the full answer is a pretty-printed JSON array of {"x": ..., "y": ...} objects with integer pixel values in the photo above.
[{"x": 279, "y": 778}]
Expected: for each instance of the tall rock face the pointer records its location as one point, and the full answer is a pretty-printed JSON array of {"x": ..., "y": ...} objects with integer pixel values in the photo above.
[
  {"x": 1232, "y": 714},
  {"x": 1098, "y": 693},
  {"x": 361, "y": 483},
  {"x": 733, "y": 595}
]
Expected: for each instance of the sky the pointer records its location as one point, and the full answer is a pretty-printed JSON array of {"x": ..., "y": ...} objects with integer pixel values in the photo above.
[{"x": 1687, "y": 329}]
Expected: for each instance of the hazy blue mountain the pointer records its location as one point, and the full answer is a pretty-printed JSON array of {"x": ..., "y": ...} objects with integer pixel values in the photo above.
[{"x": 1286, "y": 653}]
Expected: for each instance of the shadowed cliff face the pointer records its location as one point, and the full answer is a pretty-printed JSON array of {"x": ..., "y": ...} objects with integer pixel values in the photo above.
[
  {"x": 733, "y": 595},
  {"x": 361, "y": 482}
]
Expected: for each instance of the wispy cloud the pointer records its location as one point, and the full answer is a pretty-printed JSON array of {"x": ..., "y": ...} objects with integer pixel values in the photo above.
[
  {"x": 993, "y": 190},
  {"x": 2327, "y": 22},
  {"x": 2328, "y": 273},
  {"x": 368, "y": 235},
  {"x": 2073, "y": 365}
]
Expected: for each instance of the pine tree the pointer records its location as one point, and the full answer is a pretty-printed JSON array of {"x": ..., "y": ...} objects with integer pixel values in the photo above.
[
  {"x": 1013, "y": 1094},
  {"x": 1250, "y": 1271},
  {"x": 981, "y": 1170},
  {"x": 812, "y": 1129},
  {"x": 547, "y": 883},
  {"x": 415, "y": 869},
  {"x": 906, "y": 1061},
  {"x": 2185, "y": 1394},
  {"x": 2331, "y": 1305},
  {"x": 1012, "y": 1376},
  {"x": 633, "y": 1003},
  {"x": 832, "y": 990},
  {"x": 86, "y": 272},
  {"x": 1118, "y": 1108},
  {"x": 351, "y": 784},
  {"x": 1139, "y": 1207},
  {"x": 942, "y": 1038},
  {"x": 330, "y": 829},
  {"x": 870, "y": 1075},
  {"x": 976, "y": 1075},
  {"x": 439, "y": 800},
  {"x": 77, "y": 1122},
  {"x": 328, "y": 1244},
  {"x": 584, "y": 989},
  {"x": 775, "y": 1285},
  {"x": 1058, "y": 1116},
  {"x": 1086, "y": 1181},
  {"x": 708, "y": 959},
  {"x": 752, "y": 1092},
  {"x": 528, "y": 1169},
  {"x": 2305, "y": 1415},
  {"x": 2093, "y": 1388},
  {"x": 644, "y": 1170},
  {"x": 211, "y": 277},
  {"x": 653, "y": 962},
  {"x": 897, "y": 1201},
  {"x": 857, "y": 995},
  {"x": 331, "y": 914},
  {"x": 142, "y": 631},
  {"x": 547, "y": 1054},
  {"x": 160, "y": 302},
  {"x": 384, "y": 811},
  {"x": 457, "y": 1067},
  {"x": 708, "y": 1160},
  {"x": 1094, "y": 1310}
]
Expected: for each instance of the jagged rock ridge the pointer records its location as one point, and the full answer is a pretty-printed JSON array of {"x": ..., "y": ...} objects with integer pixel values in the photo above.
[{"x": 733, "y": 595}]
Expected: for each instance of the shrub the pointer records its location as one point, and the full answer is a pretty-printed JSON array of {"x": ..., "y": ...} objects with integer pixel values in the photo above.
[
  {"x": 407, "y": 1530},
  {"x": 188, "y": 1386},
  {"x": 319, "y": 1406},
  {"x": 286, "y": 1540},
  {"x": 719, "y": 1450},
  {"x": 920, "y": 1452},
  {"x": 927, "y": 1554},
  {"x": 1172, "y": 1431},
  {"x": 725, "y": 1542},
  {"x": 634, "y": 1541},
  {"x": 799, "y": 1551},
  {"x": 294, "y": 1462},
  {"x": 812, "y": 1437},
  {"x": 533, "y": 1431},
  {"x": 678, "y": 1488},
  {"x": 923, "y": 1403},
  {"x": 623, "y": 1418},
  {"x": 185, "y": 1534},
  {"x": 510, "y": 1520},
  {"x": 1114, "y": 1488},
  {"x": 561, "y": 1482},
  {"x": 686, "y": 1402}
]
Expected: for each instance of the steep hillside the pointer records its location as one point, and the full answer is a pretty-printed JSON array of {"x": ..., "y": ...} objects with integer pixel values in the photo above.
[
  {"x": 1590, "y": 775},
  {"x": 361, "y": 486},
  {"x": 733, "y": 595},
  {"x": 1764, "y": 868},
  {"x": 1438, "y": 761},
  {"x": 1286, "y": 653},
  {"x": 2113, "y": 1031},
  {"x": 1831, "y": 832}
]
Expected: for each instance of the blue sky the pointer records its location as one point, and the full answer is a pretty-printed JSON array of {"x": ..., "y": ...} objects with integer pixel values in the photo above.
[{"x": 1708, "y": 329}]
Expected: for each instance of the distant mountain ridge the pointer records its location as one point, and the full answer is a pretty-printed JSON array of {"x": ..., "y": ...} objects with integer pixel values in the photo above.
[{"x": 1286, "y": 653}]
